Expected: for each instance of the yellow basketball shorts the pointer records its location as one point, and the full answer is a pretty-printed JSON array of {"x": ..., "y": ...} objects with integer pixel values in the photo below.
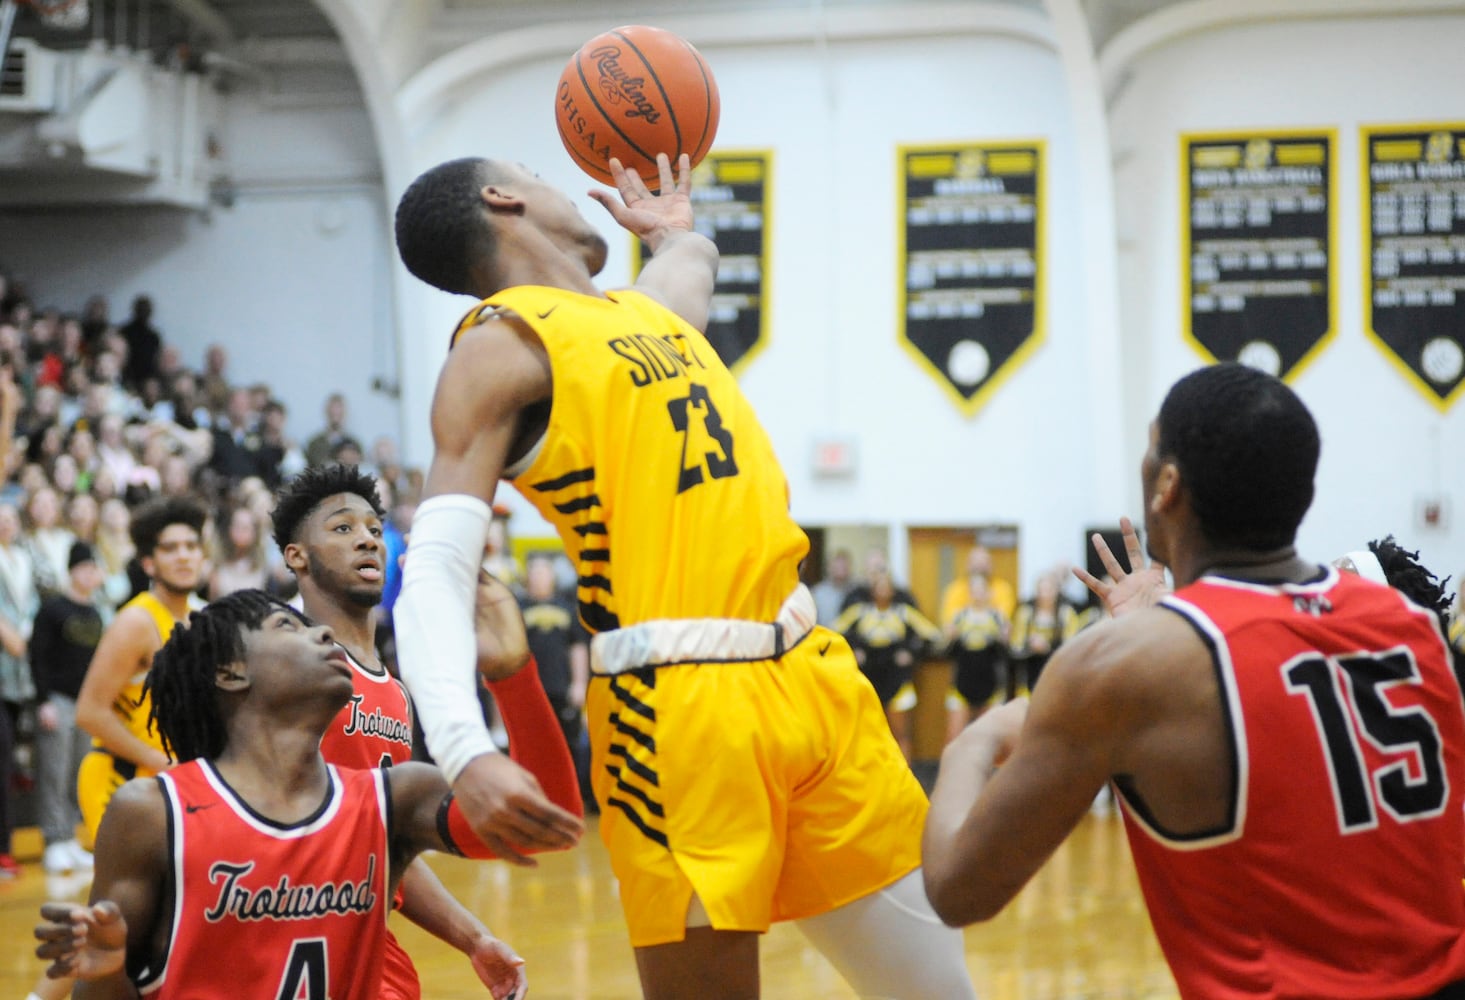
[
  {"x": 772, "y": 789},
  {"x": 97, "y": 780}
]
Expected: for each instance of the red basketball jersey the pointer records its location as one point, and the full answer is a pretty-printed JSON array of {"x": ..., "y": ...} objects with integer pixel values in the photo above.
[
  {"x": 1338, "y": 874},
  {"x": 266, "y": 910},
  {"x": 375, "y": 727}
]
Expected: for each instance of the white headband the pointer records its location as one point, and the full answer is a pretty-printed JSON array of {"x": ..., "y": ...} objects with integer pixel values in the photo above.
[{"x": 1367, "y": 566}]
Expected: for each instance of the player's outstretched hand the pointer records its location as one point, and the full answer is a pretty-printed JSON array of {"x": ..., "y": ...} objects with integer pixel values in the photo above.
[
  {"x": 1125, "y": 592},
  {"x": 89, "y": 942},
  {"x": 498, "y": 626},
  {"x": 649, "y": 216},
  {"x": 509, "y": 812},
  {"x": 499, "y": 968}
]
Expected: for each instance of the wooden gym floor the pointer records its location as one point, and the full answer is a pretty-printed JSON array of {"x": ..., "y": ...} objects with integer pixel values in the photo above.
[{"x": 1077, "y": 932}]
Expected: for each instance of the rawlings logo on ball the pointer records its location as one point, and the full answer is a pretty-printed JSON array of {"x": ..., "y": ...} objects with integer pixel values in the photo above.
[{"x": 616, "y": 83}]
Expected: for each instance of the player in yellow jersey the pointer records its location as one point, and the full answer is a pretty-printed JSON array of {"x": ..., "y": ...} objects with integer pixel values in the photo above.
[
  {"x": 744, "y": 767},
  {"x": 111, "y": 705}
]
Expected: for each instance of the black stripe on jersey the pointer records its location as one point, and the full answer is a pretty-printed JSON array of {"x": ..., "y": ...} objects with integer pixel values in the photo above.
[
  {"x": 1126, "y": 785},
  {"x": 591, "y": 528},
  {"x": 597, "y": 617},
  {"x": 652, "y": 806},
  {"x": 578, "y": 504},
  {"x": 595, "y": 581},
  {"x": 637, "y": 768},
  {"x": 640, "y": 824},
  {"x": 568, "y": 479},
  {"x": 335, "y": 789},
  {"x": 644, "y": 739},
  {"x": 631, "y": 701},
  {"x": 595, "y": 555}
]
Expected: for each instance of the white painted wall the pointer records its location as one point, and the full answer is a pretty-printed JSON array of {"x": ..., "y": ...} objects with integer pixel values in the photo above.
[
  {"x": 1384, "y": 444},
  {"x": 294, "y": 275},
  {"x": 833, "y": 115}
]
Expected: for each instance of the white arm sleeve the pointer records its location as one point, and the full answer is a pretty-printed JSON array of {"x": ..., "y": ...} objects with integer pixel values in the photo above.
[{"x": 433, "y": 617}]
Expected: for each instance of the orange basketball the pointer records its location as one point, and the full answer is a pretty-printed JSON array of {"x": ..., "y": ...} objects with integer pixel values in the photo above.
[{"x": 632, "y": 93}]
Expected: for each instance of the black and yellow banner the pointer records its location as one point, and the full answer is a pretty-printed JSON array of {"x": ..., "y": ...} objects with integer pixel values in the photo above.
[
  {"x": 1258, "y": 235},
  {"x": 1414, "y": 252},
  {"x": 971, "y": 258},
  {"x": 731, "y": 195}
]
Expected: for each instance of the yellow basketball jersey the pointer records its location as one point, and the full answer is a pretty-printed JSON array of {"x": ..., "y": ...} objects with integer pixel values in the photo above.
[
  {"x": 654, "y": 469},
  {"x": 133, "y": 706}
]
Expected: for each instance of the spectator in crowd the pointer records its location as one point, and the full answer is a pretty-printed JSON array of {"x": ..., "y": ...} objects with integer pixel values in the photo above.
[
  {"x": 877, "y": 564},
  {"x": 501, "y": 561},
  {"x": 977, "y": 634},
  {"x": 47, "y": 540},
  {"x": 241, "y": 562},
  {"x": 115, "y": 551},
  {"x": 18, "y": 604},
  {"x": 236, "y": 443},
  {"x": 81, "y": 447},
  {"x": 1039, "y": 627},
  {"x": 144, "y": 343},
  {"x": 278, "y": 457},
  {"x": 1000, "y": 593},
  {"x": 561, "y": 647},
  {"x": 889, "y": 636},
  {"x": 829, "y": 593},
  {"x": 95, "y": 321},
  {"x": 214, "y": 385},
  {"x": 321, "y": 446},
  {"x": 67, "y": 628},
  {"x": 189, "y": 409}
]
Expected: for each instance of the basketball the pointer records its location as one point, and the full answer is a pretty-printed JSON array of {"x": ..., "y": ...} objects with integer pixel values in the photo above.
[{"x": 634, "y": 92}]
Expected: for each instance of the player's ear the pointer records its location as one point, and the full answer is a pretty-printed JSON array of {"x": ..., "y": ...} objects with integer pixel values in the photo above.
[
  {"x": 295, "y": 558},
  {"x": 499, "y": 199},
  {"x": 231, "y": 677},
  {"x": 148, "y": 565},
  {"x": 1167, "y": 487}
]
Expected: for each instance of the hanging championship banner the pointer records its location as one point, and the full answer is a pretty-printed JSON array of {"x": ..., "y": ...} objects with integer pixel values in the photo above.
[
  {"x": 1414, "y": 265},
  {"x": 971, "y": 258},
  {"x": 1259, "y": 229},
  {"x": 730, "y": 195}
]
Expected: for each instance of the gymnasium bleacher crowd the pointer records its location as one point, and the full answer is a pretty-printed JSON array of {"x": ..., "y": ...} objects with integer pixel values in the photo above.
[{"x": 103, "y": 416}]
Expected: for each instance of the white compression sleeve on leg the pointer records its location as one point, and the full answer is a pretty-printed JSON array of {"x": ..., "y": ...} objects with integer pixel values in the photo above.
[
  {"x": 891, "y": 945},
  {"x": 433, "y": 617}
]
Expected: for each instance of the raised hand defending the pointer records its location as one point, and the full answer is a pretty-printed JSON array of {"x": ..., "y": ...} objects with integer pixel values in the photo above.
[{"x": 1125, "y": 592}]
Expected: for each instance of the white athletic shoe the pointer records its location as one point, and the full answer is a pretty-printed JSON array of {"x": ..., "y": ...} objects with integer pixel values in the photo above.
[
  {"x": 80, "y": 855},
  {"x": 57, "y": 859}
]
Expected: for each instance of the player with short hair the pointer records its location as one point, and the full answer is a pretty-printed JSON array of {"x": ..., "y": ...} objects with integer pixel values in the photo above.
[
  {"x": 744, "y": 769},
  {"x": 328, "y": 525},
  {"x": 253, "y": 867},
  {"x": 112, "y": 705},
  {"x": 1287, "y": 741}
]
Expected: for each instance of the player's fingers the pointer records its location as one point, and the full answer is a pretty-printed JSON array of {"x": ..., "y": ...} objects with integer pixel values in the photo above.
[
  {"x": 1099, "y": 587},
  {"x": 663, "y": 171},
  {"x": 628, "y": 182},
  {"x": 533, "y": 831},
  {"x": 1111, "y": 565},
  {"x": 105, "y": 912},
  {"x": 59, "y": 912},
  {"x": 684, "y": 174},
  {"x": 548, "y": 815},
  {"x": 61, "y": 969},
  {"x": 1131, "y": 543}
]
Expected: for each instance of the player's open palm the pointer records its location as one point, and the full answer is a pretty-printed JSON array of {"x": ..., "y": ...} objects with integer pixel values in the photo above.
[
  {"x": 1124, "y": 592},
  {"x": 647, "y": 215},
  {"x": 89, "y": 942},
  {"x": 510, "y": 813},
  {"x": 499, "y": 969}
]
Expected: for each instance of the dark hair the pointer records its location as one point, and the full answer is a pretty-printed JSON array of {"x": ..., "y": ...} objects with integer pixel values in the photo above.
[
  {"x": 185, "y": 702},
  {"x": 295, "y": 500},
  {"x": 151, "y": 519},
  {"x": 438, "y": 223},
  {"x": 1405, "y": 574},
  {"x": 1247, "y": 450}
]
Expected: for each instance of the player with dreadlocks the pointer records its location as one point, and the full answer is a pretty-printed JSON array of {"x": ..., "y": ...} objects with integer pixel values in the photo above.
[
  {"x": 328, "y": 525},
  {"x": 253, "y": 836}
]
